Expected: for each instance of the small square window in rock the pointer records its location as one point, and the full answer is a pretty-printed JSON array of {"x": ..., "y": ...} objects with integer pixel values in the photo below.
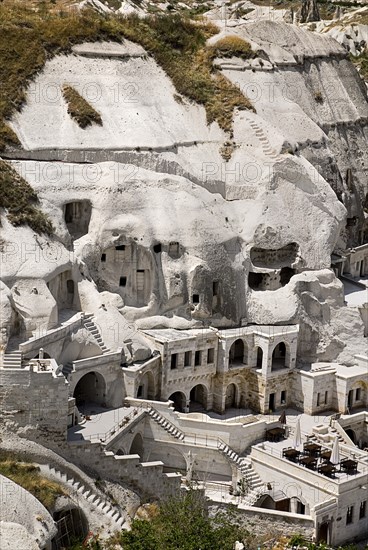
[
  {"x": 174, "y": 249},
  {"x": 195, "y": 299},
  {"x": 122, "y": 281},
  {"x": 157, "y": 248},
  {"x": 120, "y": 247},
  {"x": 103, "y": 257}
]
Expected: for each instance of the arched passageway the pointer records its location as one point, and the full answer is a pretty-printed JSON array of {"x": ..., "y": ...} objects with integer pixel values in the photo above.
[
  {"x": 136, "y": 447},
  {"x": 296, "y": 506},
  {"x": 179, "y": 400},
  {"x": 146, "y": 388},
  {"x": 173, "y": 459},
  {"x": 279, "y": 360},
  {"x": 259, "y": 359},
  {"x": 198, "y": 398},
  {"x": 71, "y": 524},
  {"x": 266, "y": 502},
  {"x": 238, "y": 353},
  {"x": 91, "y": 388},
  {"x": 231, "y": 396}
]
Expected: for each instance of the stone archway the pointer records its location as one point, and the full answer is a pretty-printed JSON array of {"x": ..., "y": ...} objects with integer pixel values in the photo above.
[
  {"x": 267, "y": 502},
  {"x": 91, "y": 388},
  {"x": 173, "y": 459},
  {"x": 198, "y": 398},
  {"x": 180, "y": 401},
  {"x": 297, "y": 506},
  {"x": 259, "y": 357},
  {"x": 231, "y": 396},
  {"x": 71, "y": 522},
  {"x": 136, "y": 447},
  {"x": 238, "y": 354},
  {"x": 279, "y": 357}
]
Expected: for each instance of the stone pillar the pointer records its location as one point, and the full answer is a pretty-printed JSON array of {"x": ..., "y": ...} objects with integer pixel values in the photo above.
[{"x": 41, "y": 353}]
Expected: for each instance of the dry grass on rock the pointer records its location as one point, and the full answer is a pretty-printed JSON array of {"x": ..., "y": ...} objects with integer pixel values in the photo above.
[
  {"x": 28, "y": 476},
  {"x": 20, "y": 201},
  {"x": 79, "y": 109}
]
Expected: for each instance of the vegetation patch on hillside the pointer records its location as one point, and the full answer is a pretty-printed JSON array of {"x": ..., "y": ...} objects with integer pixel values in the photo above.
[
  {"x": 28, "y": 476},
  {"x": 29, "y": 37},
  {"x": 232, "y": 46},
  {"x": 361, "y": 62},
  {"x": 79, "y": 109},
  {"x": 20, "y": 201}
]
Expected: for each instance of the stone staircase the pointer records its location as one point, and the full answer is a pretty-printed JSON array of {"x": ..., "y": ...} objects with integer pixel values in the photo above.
[
  {"x": 81, "y": 490},
  {"x": 263, "y": 139},
  {"x": 92, "y": 328},
  {"x": 332, "y": 431},
  {"x": 13, "y": 360},
  {"x": 165, "y": 424},
  {"x": 244, "y": 465}
]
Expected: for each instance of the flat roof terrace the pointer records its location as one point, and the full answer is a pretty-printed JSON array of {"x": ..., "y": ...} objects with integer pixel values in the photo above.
[
  {"x": 170, "y": 334},
  {"x": 304, "y": 469},
  {"x": 264, "y": 330}
]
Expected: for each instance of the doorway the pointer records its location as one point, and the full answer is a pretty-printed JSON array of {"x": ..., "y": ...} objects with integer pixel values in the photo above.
[
  {"x": 271, "y": 402},
  {"x": 350, "y": 399}
]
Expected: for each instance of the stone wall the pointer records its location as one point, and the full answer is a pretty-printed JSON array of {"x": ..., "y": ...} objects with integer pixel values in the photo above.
[
  {"x": 147, "y": 478},
  {"x": 268, "y": 523},
  {"x": 36, "y": 400}
]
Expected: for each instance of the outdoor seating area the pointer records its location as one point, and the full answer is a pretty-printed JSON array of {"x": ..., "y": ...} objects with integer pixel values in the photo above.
[
  {"x": 325, "y": 461},
  {"x": 275, "y": 434},
  {"x": 349, "y": 466}
]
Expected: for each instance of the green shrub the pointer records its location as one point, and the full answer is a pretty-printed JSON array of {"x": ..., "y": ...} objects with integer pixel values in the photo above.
[
  {"x": 183, "y": 523},
  {"x": 20, "y": 201}
]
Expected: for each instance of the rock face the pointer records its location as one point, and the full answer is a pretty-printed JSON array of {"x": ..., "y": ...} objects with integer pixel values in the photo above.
[
  {"x": 23, "y": 518},
  {"x": 153, "y": 228},
  {"x": 309, "y": 11}
]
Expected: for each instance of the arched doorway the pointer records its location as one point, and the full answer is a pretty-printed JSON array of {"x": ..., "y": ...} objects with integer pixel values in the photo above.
[
  {"x": 350, "y": 433},
  {"x": 179, "y": 400},
  {"x": 324, "y": 533},
  {"x": 279, "y": 357},
  {"x": 91, "y": 388},
  {"x": 173, "y": 459},
  {"x": 146, "y": 388},
  {"x": 259, "y": 358},
  {"x": 296, "y": 506},
  {"x": 136, "y": 447},
  {"x": 231, "y": 396},
  {"x": 267, "y": 502},
  {"x": 198, "y": 398},
  {"x": 70, "y": 523},
  {"x": 238, "y": 353}
]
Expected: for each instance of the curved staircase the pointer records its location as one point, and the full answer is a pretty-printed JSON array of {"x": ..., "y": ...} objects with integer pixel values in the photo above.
[{"x": 80, "y": 490}]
